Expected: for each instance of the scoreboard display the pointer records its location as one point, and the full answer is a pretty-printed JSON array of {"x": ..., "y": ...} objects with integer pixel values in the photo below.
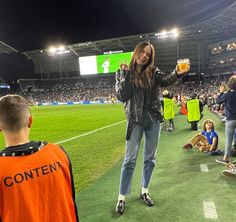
[{"x": 102, "y": 64}]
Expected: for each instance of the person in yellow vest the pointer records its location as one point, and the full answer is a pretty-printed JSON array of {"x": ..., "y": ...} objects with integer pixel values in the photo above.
[
  {"x": 36, "y": 179},
  {"x": 194, "y": 108},
  {"x": 168, "y": 110}
]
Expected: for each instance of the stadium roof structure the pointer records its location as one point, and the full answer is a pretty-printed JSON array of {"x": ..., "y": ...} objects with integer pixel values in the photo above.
[
  {"x": 223, "y": 24},
  {"x": 218, "y": 28},
  {"x": 4, "y": 48}
]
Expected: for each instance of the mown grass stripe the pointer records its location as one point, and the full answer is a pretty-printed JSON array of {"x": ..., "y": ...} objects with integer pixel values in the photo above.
[{"x": 88, "y": 133}]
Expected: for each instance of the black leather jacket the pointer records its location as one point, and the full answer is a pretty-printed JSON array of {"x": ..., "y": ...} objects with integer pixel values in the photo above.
[{"x": 133, "y": 97}]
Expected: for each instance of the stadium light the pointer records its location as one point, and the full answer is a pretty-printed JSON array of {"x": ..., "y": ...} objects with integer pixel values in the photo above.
[
  {"x": 61, "y": 49},
  {"x": 52, "y": 49},
  {"x": 174, "y": 33},
  {"x": 164, "y": 33}
]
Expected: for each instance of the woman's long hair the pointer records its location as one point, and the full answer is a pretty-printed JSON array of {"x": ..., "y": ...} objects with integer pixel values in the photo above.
[{"x": 144, "y": 78}]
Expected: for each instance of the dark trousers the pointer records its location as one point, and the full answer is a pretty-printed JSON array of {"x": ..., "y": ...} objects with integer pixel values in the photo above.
[{"x": 195, "y": 123}]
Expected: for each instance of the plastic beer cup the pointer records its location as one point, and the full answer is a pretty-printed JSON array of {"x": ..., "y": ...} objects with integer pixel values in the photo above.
[{"x": 183, "y": 64}]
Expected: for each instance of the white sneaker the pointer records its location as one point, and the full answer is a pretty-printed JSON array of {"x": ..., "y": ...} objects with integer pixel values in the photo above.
[
  {"x": 229, "y": 173},
  {"x": 223, "y": 120}
]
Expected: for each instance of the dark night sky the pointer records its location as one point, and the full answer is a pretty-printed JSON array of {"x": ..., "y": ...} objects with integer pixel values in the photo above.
[{"x": 29, "y": 25}]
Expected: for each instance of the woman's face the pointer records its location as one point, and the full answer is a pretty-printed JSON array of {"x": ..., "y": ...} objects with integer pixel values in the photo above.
[{"x": 144, "y": 56}]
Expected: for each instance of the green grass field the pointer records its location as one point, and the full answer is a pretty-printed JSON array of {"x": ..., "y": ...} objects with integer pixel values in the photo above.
[
  {"x": 178, "y": 186},
  {"x": 91, "y": 155}
]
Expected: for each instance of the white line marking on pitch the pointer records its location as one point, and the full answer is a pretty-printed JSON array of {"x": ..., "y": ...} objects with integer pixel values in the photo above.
[
  {"x": 88, "y": 133},
  {"x": 204, "y": 167},
  {"x": 209, "y": 210}
]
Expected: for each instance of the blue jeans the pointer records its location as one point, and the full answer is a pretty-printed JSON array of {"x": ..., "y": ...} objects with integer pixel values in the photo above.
[
  {"x": 230, "y": 127},
  {"x": 151, "y": 137},
  {"x": 235, "y": 137}
]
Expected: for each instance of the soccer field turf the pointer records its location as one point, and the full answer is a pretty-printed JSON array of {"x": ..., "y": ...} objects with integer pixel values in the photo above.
[
  {"x": 179, "y": 187},
  {"x": 91, "y": 154}
]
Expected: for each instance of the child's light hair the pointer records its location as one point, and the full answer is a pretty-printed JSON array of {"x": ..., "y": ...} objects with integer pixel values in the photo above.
[{"x": 208, "y": 121}]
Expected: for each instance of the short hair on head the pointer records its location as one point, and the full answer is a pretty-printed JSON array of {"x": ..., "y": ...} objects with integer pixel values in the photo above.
[
  {"x": 165, "y": 92},
  {"x": 14, "y": 113},
  {"x": 232, "y": 83},
  {"x": 193, "y": 95}
]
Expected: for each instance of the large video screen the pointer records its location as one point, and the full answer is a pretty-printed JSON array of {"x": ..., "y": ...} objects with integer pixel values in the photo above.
[{"x": 102, "y": 64}]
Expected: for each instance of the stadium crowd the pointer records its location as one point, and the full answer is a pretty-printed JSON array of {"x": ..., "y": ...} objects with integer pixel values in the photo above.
[
  {"x": 102, "y": 87},
  {"x": 65, "y": 90}
]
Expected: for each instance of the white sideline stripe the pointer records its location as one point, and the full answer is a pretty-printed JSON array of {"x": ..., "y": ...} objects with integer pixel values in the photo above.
[
  {"x": 204, "y": 167},
  {"x": 210, "y": 210},
  {"x": 88, "y": 133}
]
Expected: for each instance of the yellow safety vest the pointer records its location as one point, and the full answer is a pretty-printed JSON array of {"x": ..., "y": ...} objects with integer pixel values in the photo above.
[
  {"x": 193, "y": 110},
  {"x": 168, "y": 108}
]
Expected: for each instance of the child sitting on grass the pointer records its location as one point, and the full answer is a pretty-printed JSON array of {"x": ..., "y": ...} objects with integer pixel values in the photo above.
[{"x": 207, "y": 140}]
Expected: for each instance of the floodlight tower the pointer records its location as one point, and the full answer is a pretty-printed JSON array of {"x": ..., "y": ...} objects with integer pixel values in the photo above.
[
  {"x": 59, "y": 50},
  {"x": 170, "y": 34}
]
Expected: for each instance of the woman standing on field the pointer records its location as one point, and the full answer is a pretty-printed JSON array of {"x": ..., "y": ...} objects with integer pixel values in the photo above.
[{"x": 138, "y": 88}]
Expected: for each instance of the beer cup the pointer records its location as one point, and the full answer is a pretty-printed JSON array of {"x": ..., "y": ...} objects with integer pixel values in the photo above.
[{"x": 183, "y": 64}]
